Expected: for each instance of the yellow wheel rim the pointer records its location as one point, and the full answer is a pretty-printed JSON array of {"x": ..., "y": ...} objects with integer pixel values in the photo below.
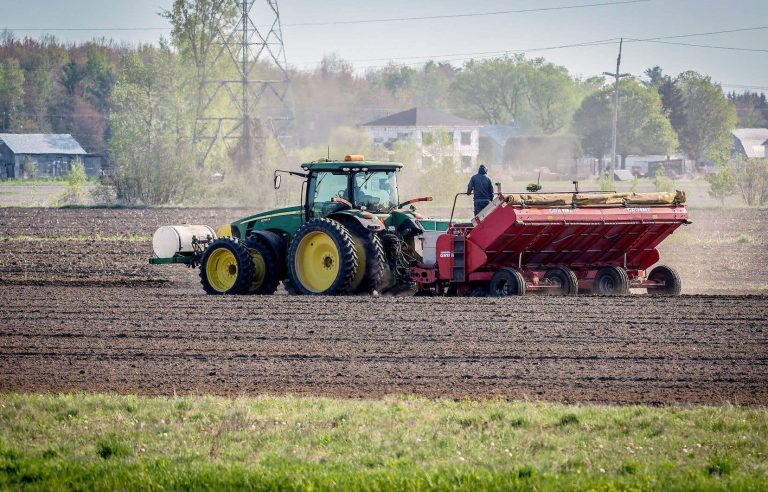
[
  {"x": 259, "y": 269},
  {"x": 360, "y": 274},
  {"x": 317, "y": 261},
  {"x": 221, "y": 269}
]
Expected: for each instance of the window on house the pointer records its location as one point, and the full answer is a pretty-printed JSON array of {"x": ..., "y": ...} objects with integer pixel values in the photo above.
[
  {"x": 450, "y": 138},
  {"x": 466, "y": 138},
  {"x": 426, "y": 138},
  {"x": 403, "y": 136}
]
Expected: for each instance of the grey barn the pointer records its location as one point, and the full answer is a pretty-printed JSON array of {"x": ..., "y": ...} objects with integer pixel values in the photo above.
[{"x": 51, "y": 154}]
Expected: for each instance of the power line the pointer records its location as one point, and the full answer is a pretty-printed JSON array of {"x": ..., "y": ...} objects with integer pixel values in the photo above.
[
  {"x": 731, "y": 48},
  {"x": 447, "y": 56},
  {"x": 598, "y": 42},
  {"x": 471, "y": 14}
]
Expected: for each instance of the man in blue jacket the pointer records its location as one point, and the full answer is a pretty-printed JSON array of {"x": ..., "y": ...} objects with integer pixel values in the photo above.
[{"x": 483, "y": 187}]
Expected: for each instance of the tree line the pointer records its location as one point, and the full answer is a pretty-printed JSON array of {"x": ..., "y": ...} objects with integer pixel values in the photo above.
[{"x": 142, "y": 106}]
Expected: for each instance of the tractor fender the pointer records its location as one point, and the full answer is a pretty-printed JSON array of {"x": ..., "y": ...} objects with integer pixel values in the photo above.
[
  {"x": 369, "y": 221},
  {"x": 275, "y": 243}
]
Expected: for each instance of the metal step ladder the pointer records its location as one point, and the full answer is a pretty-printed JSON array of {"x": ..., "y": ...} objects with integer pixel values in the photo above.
[{"x": 459, "y": 258}]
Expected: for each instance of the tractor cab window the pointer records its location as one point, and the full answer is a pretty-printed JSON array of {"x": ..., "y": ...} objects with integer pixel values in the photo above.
[
  {"x": 322, "y": 187},
  {"x": 376, "y": 191}
]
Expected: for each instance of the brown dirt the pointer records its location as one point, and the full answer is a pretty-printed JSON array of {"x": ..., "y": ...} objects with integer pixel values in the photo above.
[
  {"x": 92, "y": 315},
  {"x": 633, "y": 349}
]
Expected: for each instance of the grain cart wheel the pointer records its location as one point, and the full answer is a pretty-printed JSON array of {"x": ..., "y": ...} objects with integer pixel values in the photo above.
[
  {"x": 266, "y": 268},
  {"x": 507, "y": 282},
  {"x": 671, "y": 279},
  {"x": 322, "y": 258},
  {"x": 371, "y": 261},
  {"x": 565, "y": 279},
  {"x": 610, "y": 281},
  {"x": 226, "y": 267}
]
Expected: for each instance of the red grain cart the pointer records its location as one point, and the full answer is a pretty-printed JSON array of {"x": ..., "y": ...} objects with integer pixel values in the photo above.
[{"x": 561, "y": 243}]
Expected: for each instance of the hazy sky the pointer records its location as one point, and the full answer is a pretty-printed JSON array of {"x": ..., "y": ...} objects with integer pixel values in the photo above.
[{"x": 372, "y": 44}]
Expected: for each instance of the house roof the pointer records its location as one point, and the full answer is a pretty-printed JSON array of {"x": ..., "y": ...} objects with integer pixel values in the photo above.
[
  {"x": 42, "y": 143},
  {"x": 752, "y": 140},
  {"x": 421, "y": 117}
]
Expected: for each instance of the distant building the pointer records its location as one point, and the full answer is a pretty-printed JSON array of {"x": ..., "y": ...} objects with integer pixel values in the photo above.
[
  {"x": 493, "y": 142},
  {"x": 423, "y": 126},
  {"x": 648, "y": 165},
  {"x": 750, "y": 142},
  {"x": 52, "y": 155}
]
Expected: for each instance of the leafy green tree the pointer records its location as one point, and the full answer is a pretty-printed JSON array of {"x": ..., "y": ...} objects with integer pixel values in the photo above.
[
  {"x": 661, "y": 182},
  {"x": 493, "y": 90},
  {"x": 399, "y": 80},
  {"x": 721, "y": 184},
  {"x": 76, "y": 181},
  {"x": 434, "y": 82},
  {"x": 195, "y": 27},
  {"x": 751, "y": 109},
  {"x": 709, "y": 118},
  {"x": 152, "y": 144},
  {"x": 552, "y": 95},
  {"x": 592, "y": 124},
  {"x": 643, "y": 127},
  {"x": 11, "y": 94},
  {"x": 750, "y": 178}
]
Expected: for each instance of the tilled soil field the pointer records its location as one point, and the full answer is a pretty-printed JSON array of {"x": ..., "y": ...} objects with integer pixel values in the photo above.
[
  {"x": 82, "y": 310},
  {"x": 634, "y": 349}
]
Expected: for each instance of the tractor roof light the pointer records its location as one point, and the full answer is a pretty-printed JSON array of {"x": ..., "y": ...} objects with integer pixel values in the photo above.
[{"x": 353, "y": 157}]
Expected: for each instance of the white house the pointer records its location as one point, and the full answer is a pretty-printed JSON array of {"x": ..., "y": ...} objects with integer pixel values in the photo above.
[
  {"x": 750, "y": 142},
  {"x": 423, "y": 126}
]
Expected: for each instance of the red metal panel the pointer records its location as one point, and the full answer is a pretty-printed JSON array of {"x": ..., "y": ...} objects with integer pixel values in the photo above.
[
  {"x": 443, "y": 253},
  {"x": 579, "y": 237}
]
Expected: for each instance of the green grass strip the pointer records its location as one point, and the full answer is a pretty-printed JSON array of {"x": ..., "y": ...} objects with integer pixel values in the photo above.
[{"x": 94, "y": 441}]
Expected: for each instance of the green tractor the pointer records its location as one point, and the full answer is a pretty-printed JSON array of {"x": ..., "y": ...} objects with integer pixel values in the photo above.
[{"x": 349, "y": 235}]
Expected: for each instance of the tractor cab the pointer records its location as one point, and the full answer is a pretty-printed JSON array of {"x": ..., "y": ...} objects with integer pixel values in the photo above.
[{"x": 356, "y": 184}]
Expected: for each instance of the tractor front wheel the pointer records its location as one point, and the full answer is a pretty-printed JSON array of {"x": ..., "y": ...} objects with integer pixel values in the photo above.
[
  {"x": 226, "y": 267},
  {"x": 321, "y": 258}
]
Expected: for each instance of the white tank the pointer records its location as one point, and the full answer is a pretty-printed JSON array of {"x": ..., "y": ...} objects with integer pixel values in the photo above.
[{"x": 169, "y": 240}]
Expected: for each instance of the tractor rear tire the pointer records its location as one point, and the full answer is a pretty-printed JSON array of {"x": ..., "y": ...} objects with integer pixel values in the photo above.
[
  {"x": 289, "y": 288},
  {"x": 671, "y": 279},
  {"x": 321, "y": 258},
  {"x": 507, "y": 282},
  {"x": 611, "y": 281},
  {"x": 371, "y": 260},
  {"x": 266, "y": 267},
  {"x": 565, "y": 278},
  {"x": 226, "y": 267}
]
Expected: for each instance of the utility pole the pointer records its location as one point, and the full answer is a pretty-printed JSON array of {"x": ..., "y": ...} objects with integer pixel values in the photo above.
[{"x": 618, "y": 75}]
